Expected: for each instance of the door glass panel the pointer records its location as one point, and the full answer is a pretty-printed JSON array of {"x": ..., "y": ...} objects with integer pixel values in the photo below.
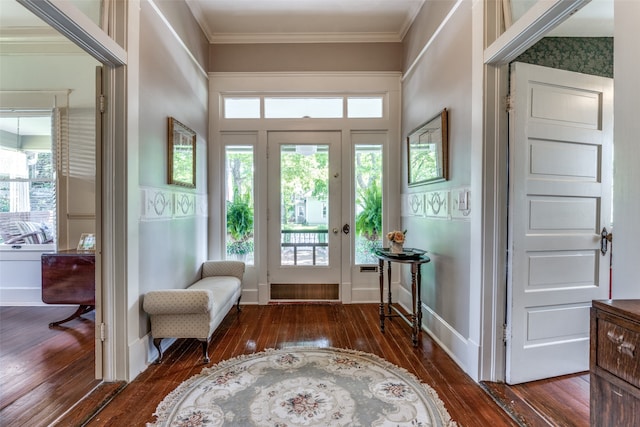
[
  {"x": 304, "y": 205},
  {"x": 239, "y": 203},
  {"x": 368, "y": 202}
]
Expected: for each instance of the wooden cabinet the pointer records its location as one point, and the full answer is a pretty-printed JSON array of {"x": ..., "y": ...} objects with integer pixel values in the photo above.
[{"x": 615, "y": 363}]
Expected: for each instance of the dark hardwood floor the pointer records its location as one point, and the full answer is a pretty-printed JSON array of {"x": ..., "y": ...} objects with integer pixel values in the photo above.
[
  {"x": 43, "y": 371},
  {"x": 561, "y": 402}
]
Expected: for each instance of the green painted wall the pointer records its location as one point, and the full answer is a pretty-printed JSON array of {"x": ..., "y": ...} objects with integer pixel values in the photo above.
[{"x": 588, "y": 55}]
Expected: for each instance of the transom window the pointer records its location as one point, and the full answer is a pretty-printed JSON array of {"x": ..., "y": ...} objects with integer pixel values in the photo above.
[{"x": 303, "y": 107}]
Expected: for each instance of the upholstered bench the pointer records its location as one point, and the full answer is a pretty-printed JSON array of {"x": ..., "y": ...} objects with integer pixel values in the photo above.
[{"x": 195, "y": 312}]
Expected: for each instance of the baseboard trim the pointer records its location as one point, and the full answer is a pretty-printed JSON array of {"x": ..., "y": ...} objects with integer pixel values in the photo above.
[
  {"x": 249, "y": 296},
  {"x": 143, "y": 353},
  {"x": 365, "y": 295},
  {"x": 447, "y": 337},
  {"x": 24, "y": 297}
]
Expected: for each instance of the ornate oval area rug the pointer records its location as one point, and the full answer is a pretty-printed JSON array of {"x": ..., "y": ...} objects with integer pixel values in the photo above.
[{"x": 303, "y": 387}]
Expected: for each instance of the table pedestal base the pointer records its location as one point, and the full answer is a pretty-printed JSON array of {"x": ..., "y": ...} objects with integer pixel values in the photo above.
[{"x": 79, "y": 312}]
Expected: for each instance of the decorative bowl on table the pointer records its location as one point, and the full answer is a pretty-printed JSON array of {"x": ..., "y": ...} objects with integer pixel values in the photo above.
[{"x": 407, "y": 253}]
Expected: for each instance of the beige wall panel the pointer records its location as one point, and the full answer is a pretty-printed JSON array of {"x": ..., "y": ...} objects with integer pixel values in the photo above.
[
  {"x": 305, "y": 57},
  {"x": 425, "y": 25},
  {"x": 442, "y": 79},
  {"x": 187, "y": 28},
  {"x": 172, "y": 247}
]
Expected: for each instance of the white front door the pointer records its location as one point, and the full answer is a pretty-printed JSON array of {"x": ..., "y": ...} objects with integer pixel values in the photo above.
[
  {"x": 304, "y": 228},
  {"x": 560, "y": 178}
]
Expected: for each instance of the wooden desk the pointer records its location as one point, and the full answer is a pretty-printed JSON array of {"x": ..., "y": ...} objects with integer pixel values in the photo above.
[
  {"x": 416, "y": 300},
  {"x": 68, "y": 277}
]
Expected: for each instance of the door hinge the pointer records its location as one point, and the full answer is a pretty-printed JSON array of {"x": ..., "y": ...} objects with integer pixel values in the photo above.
[
  {"x": 506, "y": 333},
  {"x": 103, "y": 332},
  {"x": 101, "y": 103},
  {"x": 508, "y": 103}
]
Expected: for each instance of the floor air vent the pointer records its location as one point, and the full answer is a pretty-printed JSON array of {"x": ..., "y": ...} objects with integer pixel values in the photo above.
[{"x": 307, "y": 291}]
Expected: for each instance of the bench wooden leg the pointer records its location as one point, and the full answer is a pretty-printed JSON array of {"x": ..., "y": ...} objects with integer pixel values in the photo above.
[
  {"x": 238, "y": 304},
  {"x": 205, "y": 347},
  {"x": 156, "y": 343}
]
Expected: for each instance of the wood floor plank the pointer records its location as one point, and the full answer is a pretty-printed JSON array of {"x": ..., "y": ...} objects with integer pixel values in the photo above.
[
  {"x": 40, "y": 396},
  {"x": 43, "y": 371},
  {"x": 301, "y": 325}
]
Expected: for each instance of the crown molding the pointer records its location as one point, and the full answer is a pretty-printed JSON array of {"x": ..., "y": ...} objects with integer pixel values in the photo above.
[
  {"x": 35, "y": 41},
  {"x": 263, "y": 38}
]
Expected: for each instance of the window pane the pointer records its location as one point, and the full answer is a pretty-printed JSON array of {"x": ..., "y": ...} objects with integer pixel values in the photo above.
[
  {"x": 368, "y": 203},
  {"x": 304, "y": 189},
  {"x": 241, "y": 108},
  {"x": 364, "y": 107},
  {"x": 239, "y": 202},
  {"x": 295, "y": 108},
  {"x": 27, "y": 180}
]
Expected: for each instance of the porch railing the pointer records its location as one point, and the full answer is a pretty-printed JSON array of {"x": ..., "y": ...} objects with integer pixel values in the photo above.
[{"x": 304, "y": 241}]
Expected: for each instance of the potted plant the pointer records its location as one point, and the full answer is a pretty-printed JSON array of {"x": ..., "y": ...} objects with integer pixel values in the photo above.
[
  {"x": 369, "y": 220},
  {"x": 239, "y": 226}
]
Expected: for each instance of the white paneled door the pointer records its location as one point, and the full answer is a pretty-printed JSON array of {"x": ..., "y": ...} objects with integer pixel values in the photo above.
[{"x": 560, "y": 179}]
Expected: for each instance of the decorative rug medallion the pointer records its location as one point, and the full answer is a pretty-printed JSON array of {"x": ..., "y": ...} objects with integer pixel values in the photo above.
[{"x": 300, "y": 386}]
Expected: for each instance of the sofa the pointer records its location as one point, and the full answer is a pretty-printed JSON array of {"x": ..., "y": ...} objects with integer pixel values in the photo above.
[
  {"x": 195, "y": 312},
  {"x": 25, "y": 232}
]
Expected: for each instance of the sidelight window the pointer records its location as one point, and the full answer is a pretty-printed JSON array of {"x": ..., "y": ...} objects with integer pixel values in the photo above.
[
  {"x": 368, "y": 201},
  {"x": 239, "y": 203}
]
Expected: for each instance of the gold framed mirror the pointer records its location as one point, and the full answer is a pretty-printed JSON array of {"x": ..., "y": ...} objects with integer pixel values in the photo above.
[
  {"x": 427, "y": 148},
  {"x": 182, "y": 154}
]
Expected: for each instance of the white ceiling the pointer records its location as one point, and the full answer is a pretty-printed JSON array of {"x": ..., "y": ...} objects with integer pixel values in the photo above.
[
  {"x": 593, "y": 20},
  {"x": 296, "y": 21},
  {"x": 299, "y": 21}
]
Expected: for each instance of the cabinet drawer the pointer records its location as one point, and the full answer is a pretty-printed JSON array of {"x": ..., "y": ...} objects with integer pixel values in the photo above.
[
  {"x": 612, "y": 406},
  {"x": 618, "y": 351}
]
